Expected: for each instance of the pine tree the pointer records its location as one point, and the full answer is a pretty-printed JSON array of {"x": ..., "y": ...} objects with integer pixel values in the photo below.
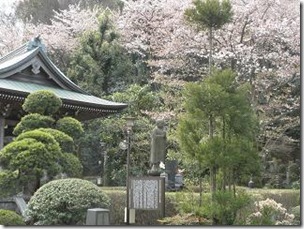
[
  {"x": 210, "y": 15},
  {"x": 231, "y": 148},
  {"x": 101, "y": 66}
]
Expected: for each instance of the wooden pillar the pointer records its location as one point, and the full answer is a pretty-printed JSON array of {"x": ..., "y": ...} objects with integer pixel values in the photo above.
[{"x": 2, "y": 124}]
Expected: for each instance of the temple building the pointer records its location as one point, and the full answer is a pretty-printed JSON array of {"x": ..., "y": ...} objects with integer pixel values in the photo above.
[{"x": 28, "y": 69}]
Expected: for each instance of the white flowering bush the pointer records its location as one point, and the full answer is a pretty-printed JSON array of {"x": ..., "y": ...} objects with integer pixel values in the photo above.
[
  {"x": 296, "y": 211},
  {"x": 269, "y": 212},
  {"x": 65, "y": 202}
]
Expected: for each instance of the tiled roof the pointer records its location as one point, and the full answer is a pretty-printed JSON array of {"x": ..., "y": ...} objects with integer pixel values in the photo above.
[
  {"x": 10, "y": 64},
  {"x": 16, "y": 52},
  {"x": 71, "y": 94},
  {"x": 66, "y": 95}
]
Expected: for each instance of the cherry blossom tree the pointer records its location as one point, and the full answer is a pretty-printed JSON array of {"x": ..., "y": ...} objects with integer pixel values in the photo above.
[
  {"x": 147, "y": 26},
  {"x": 62, "y": 36},
  {"x": 262, "y": 43},
  {"x": 11, "y": 35}
]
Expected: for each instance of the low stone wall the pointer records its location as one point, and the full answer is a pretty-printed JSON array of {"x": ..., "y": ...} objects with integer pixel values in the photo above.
[{"x": 8, "y": 204}]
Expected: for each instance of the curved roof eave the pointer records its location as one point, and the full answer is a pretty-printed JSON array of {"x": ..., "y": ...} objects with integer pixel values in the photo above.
[
  {"x": 12, "y": 64},
  {"x": 29, "y": 54},
  {"x": 71, "y": 97},
  {"x": 64, "y": 79}
]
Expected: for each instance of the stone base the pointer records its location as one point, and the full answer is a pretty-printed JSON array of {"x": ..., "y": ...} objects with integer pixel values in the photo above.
[{"x": 154, "y": 172}]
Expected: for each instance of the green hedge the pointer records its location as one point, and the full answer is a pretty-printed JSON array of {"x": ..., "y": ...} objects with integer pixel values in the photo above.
[
  {"x": 288, "y": 198},
  {"x": 10, "y": 218},
  {"x": 142, "y": 217}
]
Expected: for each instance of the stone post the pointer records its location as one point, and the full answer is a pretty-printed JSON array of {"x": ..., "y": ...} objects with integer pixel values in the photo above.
[{"x": 98, "y": 216}]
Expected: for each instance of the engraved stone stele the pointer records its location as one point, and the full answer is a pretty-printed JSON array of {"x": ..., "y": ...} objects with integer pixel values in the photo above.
[
  {"x": 147, "y": 193},
  {"x": 171, "y": 168}
]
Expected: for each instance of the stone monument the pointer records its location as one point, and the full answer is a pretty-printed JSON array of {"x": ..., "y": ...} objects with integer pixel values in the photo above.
[{"x": 158, "y": 148}]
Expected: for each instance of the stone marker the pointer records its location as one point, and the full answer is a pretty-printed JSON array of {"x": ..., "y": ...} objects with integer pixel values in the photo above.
[
  {"x": 171, "y": 168},
  {"x": 98, "y": 216}
]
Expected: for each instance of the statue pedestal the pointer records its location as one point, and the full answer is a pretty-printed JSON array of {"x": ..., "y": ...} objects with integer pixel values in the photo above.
[{"x": 154, "y": 171}]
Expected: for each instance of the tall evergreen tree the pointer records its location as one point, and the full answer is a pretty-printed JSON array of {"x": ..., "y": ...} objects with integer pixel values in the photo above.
[
  {"x": 231, "y": 149},
  {"x": 210, "y": 15},
  {"x": 101, "y": 66}
]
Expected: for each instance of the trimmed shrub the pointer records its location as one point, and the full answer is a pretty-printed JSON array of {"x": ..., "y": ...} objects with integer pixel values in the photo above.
[
  {"x": 65, "y": 202},
  {"x": 10, "y": 218},
  {"x": 33, "y": 121},
  {"x": 71, "y": 165},
  {"x": 42, "y": 102},
  {"x": 70, "y": 126},
  {"x": 30, "y": 156},
  {"x": 44, "y": 158},
  {"x": 66, "y": 142},
  {"x": 8, "y": 181}
]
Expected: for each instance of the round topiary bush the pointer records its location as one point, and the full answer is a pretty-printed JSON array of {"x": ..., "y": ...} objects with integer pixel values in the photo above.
[
  {"x": 72, "y": 166},
  {"x": 32, "y": 122},
  {"x": 43, "y": 102},
  {"x": 10, "y": 218},
  {"x": 65, "y": 202},
  {"x": 70, "y": 126},
  {"x": 66, "y": 142}
]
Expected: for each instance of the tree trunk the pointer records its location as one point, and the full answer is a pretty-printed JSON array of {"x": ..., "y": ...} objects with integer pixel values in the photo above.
[
  {"x": 38, "y": 183},
  {"x": 200, "y": 187},
  {"x": 225, "y": 172},
  {"x": 201, "y": 191},
  {"x": 233, "y": 182},
  {"x": 211, "y": 127},
  {"x": 210, "y": 49},
  {"x": 212, "y": 169},
  {"x": 230, "y": 179},
  {"x": 213, "y": 180}
]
